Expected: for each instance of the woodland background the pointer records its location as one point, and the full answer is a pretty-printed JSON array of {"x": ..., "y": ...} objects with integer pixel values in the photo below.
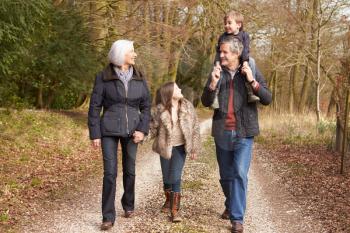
[{"x": 51, "y": 50}]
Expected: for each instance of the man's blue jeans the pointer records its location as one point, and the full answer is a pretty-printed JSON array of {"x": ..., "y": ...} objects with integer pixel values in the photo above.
[{"x": 234, "y": 155}]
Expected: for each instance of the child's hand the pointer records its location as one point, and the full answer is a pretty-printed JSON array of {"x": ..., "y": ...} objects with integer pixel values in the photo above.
[
  {"x": 245, "y": 63},
  {"x": 193, "y": 156}
]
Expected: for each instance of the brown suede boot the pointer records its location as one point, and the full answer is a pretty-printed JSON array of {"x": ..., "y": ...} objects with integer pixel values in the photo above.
[
  {"x": 175, "y": 206},
  {"x": 251, "y": 97},
  {"x": 166, "y": 206}
]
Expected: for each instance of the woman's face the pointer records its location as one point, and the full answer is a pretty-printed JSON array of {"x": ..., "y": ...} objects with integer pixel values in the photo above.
[
  {"x": 130, "y": 57},
  {"x": 177, "y": 92}
]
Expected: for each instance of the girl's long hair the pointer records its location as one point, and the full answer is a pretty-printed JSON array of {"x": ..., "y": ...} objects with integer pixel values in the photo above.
[{"x": 164, "y": 95}]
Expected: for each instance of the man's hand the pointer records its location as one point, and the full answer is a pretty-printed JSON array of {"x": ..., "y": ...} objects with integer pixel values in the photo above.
[
  {"x": 96, "y": 143},
  {"x": 215, "y": 75},
  {"x": 247, "y": 71},
  {"x": 138, "y": 136},
  {"x": 245, "y": 63}
]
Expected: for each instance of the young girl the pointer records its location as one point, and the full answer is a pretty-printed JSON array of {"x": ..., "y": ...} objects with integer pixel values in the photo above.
[{"x": 175, "y": 127}]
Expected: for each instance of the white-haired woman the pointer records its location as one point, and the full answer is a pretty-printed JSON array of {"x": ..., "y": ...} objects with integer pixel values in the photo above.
[{"x": 122, "y": 92}]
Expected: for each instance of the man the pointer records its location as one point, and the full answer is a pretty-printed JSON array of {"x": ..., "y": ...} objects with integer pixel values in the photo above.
[{"x": 235, "y": 123}]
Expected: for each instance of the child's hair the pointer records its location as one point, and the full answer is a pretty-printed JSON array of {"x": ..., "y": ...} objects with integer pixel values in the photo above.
[
  {"x": 164, "y": 95},
  {"x": 235, "y": 15}
]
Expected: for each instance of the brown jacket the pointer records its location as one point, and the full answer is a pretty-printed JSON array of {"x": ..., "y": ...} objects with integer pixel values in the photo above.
[{"x": 161, "y": 129}]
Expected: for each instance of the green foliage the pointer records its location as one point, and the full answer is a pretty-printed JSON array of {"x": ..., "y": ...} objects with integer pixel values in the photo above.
[
  {"x": 325, "y": 126},
  {"x": 192, "y": 184},
  {"x": 19, "y": 21},
  {"x": 4, "y": 217},
  {"x": 47, "y": 55},
  {"x": 35, "y": 182}
]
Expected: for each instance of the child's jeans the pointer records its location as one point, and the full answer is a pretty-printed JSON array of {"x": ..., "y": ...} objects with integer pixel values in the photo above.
[
  {"x": 172, "y": 168},
  {"x": 252, "y": 66}
]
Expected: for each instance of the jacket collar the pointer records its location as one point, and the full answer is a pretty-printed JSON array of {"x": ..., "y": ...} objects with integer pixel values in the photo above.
[
  {"x": 226, "y": 70},
  {"x": 165, "y": 116},
  {"x": 110, "y": 74},
  {"x": 184, "y": 106}
]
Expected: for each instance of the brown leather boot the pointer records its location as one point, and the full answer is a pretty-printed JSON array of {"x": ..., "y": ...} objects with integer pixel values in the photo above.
[
  {"x": 237, "y": 227},
  {"x": 166, "y": 206},
  {"x": 105, "y": 226},
  {"x": 225, "y": 214},
  {"x": 129, "y": 213},
  {"x": 175, "y": 206}
]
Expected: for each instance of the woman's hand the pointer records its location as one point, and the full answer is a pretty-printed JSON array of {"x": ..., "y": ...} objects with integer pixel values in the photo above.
[
  {"x": 138, "y": 136},
  {"x": 193, "y": 156},
  {"x": 96, "y": 143}
]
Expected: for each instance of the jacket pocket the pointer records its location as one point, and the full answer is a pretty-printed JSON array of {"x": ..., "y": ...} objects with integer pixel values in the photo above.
[
  {"x": 112, "y": 124},
  {"x": 250, "y": 117}
]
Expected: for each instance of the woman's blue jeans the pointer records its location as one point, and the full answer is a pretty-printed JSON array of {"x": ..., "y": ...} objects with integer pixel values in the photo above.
[{"x": 109, "y": 151}]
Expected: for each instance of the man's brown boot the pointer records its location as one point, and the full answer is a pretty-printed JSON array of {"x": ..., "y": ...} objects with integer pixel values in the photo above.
[
  {"x": 237, "y": 227},
  {"x": 175, "y": 206},
  {"x": 225, "y": 214},
  {"x": 105, "y": 226},
  {"x": 166, "y": 206}
]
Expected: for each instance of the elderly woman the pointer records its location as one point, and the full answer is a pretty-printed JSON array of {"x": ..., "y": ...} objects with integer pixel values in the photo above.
[{"x": 122, "y": 92}]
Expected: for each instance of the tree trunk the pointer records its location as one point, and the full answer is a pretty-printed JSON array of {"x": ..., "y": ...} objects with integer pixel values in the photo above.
[
  {"x": 291, "y": 89},
  {"x": 318, "y": 110},
  {"x": 85, "y": 103},
  {"x": 318, "y": 55},
  {"x": 274, "y": 90},
  {"x": 50, "y": 99},
  {"x": 174, "y": 62},
  {"x": 345, "y": 133},
  {"x": 97, "y": 23},
  {"x": 297, "y": 75},
  {"x": 304, "y": 90},
  {"x": 40, "y": 103},
  {"x": 338, "y": 135},
  {"x": 147, "y": 19},
  {"x": 331, "y": 103}
]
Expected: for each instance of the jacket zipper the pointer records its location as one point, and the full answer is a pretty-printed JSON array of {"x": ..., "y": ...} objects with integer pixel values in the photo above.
[{"x": 126, "y": 109}]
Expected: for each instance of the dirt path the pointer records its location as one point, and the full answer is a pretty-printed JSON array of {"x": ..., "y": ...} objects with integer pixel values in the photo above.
[{"x": 270, "y": 209}]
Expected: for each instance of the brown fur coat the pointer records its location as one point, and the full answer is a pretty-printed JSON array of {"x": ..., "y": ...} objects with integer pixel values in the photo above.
[{"x": 161, "y": 129}]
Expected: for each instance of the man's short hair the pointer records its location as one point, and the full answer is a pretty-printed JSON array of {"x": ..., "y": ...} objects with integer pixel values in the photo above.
[{"x": 236, "y": 45}]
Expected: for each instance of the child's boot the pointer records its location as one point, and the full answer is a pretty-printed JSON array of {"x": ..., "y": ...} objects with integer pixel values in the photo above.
[{"x": 251, "y": 97}]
